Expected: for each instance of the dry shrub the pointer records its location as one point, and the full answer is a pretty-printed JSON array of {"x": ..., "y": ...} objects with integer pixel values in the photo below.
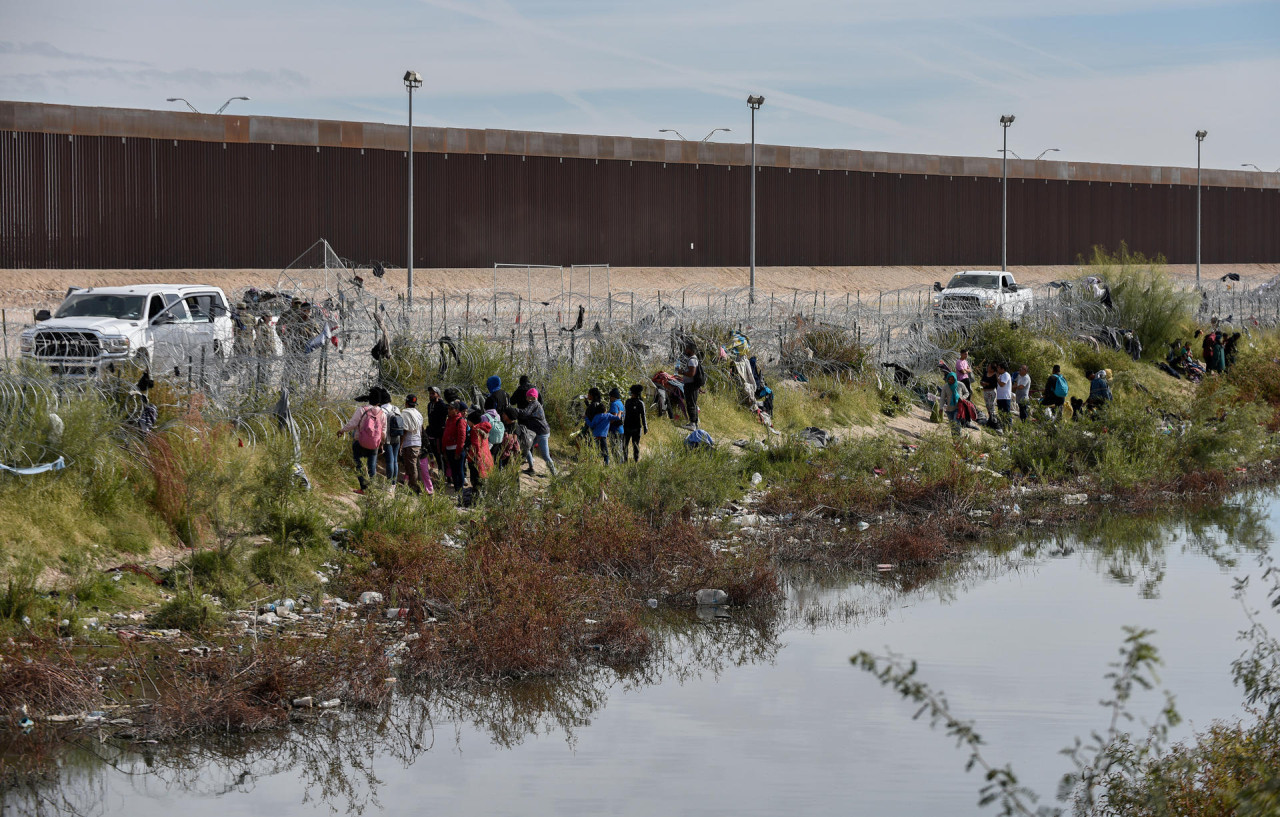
[
  {"x": 251, "y": 690},
  {"x": 43, "y": 675},
  {"x": 538, "y": 592},
  {"x": 1200, "y": 482},
  {"x": 671, "y": 561},
  {"x": 914, "y": 545}
]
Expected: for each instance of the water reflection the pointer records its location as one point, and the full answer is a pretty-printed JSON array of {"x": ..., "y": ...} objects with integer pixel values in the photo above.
[
  {"x": 335, "y": 755},
  {"x": 337, "y": 758}
]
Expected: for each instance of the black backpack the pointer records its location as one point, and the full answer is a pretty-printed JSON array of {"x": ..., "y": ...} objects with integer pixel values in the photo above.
[
  {"x": 395, "y": 426},
  {"x": 699, "y": 376}
]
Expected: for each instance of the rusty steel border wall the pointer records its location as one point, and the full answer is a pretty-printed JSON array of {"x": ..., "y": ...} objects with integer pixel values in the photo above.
[{"x": 114, "y": 188}]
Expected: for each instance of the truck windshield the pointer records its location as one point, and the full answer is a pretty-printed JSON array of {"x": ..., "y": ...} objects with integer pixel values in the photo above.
[
  {"x": 973, "y": 281},
  {"x": 91, "y": 305}
]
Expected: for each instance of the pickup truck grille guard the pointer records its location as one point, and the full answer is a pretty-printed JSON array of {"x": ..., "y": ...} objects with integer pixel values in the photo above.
[{"x": 67, "y": 345}]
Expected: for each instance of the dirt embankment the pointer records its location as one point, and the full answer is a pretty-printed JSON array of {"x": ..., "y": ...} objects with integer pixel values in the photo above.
[{"x": 33, "y": 287}]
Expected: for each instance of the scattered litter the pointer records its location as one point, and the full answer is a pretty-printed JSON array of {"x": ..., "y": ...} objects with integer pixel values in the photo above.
[
  {"x": 396, "y": 613},
  {"x": 884, "y": 568},
  {"x": 863, "y": 525},
  {"x": 1075, "y": 499},
  {"x": 756, "y": 478},
  {"x": 711, "y": 598},
  {"x": 306, "y": 701},
  {"x": 371, "y": 597},
  {"x": 653, "y": 603},
  {"x": 333, "y": 703},
  {"x": 816, "y": 437}
]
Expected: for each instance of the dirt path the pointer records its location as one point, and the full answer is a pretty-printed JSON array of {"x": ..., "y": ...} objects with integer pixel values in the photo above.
[{"x": 21, "y": 288}]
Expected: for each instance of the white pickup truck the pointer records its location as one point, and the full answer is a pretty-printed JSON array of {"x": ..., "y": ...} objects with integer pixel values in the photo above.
[
  {"x": 157, "y": 327},
  {"x": 981, "y": 293}
]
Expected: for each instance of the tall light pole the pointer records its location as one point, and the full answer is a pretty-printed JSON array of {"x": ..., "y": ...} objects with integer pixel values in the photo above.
[
  {"x": 1005, "y": 122},
  {"x": 183, "y": 101},
  {"x": 228, "y": 102},
  {"x": 754, "y": 102},
  {"x": 714, "y": 131},
  {"x": 412, "y": 80},
  {"x": 1200, "y": 135}
]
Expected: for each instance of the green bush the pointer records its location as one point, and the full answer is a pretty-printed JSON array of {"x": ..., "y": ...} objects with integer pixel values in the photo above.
[
  {"x": 186, "y": 612},
  {"x": 1145, "y": 298}
]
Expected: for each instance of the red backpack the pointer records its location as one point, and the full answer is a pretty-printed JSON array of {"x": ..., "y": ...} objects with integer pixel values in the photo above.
[{"x": 372, "y": 428}]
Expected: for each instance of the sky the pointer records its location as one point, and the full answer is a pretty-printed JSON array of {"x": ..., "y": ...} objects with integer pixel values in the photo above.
[{"x": 1100, "y": 80}]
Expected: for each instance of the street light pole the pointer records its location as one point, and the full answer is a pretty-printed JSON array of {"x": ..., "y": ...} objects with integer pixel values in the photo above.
[
  {"x": 412, "y": 80},
  {"x": 754, "y": 102},
  {"x": 228, "y": 102},
  {"x": 1200, "y": 135},
  {"x": 1005, "y": 122},
  {"x": 183, "y": 101},
  {"x": 714, "y": 131}
]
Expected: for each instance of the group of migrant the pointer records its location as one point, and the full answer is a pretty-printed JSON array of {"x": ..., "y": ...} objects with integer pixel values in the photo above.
[
  {"x": 678, "y": 393},
  {"x": 1217, "y": 348},
  {"x": 460, "y": 441},
  {"x": 1001, "y": 390}
]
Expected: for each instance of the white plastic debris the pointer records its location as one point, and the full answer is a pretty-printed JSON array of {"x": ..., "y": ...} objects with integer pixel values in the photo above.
[{"x": 711, "y": 598}]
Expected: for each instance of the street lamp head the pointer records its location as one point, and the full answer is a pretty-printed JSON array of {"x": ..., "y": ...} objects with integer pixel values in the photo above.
[
  {"x": 173, "y": 99},
  {"x": 755, "y": 102},
  {"x": 1201, "y": 134},
  {"x": 1007, "y": 120},
  {"x": 1046, "y": 150},
  {"x": 412, "y": 79},
  {"x": 714, "y": 131},
  {"x": 673, "y": 130}
]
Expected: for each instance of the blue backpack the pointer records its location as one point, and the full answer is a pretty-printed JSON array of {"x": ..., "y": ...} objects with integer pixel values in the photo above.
[{"x": 1059, "y": 386}]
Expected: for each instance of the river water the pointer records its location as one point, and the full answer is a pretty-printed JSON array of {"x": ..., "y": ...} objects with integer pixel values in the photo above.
[{"x": 763, "y": 713}]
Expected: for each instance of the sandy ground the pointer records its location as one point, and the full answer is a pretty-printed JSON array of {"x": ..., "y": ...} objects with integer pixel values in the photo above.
[{"x": 25, "y": 288}]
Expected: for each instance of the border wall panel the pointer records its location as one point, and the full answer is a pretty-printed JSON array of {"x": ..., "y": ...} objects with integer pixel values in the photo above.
[{"x": 130, "y": 202}]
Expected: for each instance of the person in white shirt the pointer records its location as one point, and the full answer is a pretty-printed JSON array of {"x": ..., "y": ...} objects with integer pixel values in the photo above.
[
  {"x": 411, "y": 443},
  {"x": 1004, "y": 393},
  {"x": 1022, "y": 391}
]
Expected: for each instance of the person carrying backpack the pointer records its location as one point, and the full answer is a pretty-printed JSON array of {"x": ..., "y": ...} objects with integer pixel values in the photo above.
[
  {"x": 634, "y": 422},
  {"x": 1055, "y": 391},
  {"x": 370, "y": 426},
  {"x": 694, "y": 378},
  {"x": 395, "y": 434},
  {"x": 497, "y": 431}
]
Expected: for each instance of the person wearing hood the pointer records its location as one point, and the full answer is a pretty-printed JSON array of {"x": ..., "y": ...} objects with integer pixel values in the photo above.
[
  {"x": 535, "y": 420},
  {"x": 520, "y": 397},
  {"x": 497, "y": 399},
  {"x": 478, "y": 457}
]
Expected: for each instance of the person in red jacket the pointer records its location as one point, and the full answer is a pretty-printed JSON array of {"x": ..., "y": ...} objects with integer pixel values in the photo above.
[
  {"x": 454, "y": 444},
  {"x": 479, "y": 457}
]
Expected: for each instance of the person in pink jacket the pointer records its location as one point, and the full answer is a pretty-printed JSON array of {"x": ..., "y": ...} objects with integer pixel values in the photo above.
[{"x": 370, "y": 426}]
